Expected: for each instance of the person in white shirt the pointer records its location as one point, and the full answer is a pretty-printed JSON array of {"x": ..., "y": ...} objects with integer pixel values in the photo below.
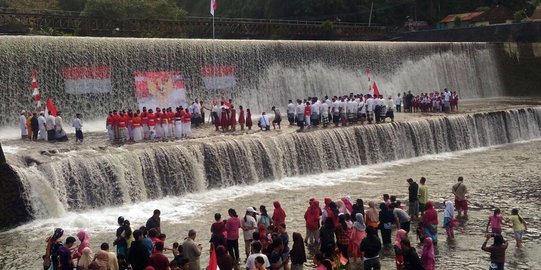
[
  {"x": 22, "y": 122},
  {"x": 335, "y": 108},
  {"x": 78, "y": 125},
  {"x": 315, "y": 112},
  {"x": 291, "y": 112},
  {"x": 264, "y": 123},
  {"x": 256, "y": 252},
  {"x": 42, "y": 126},
  {"x": 59, "y": 128},
  {"x": 324, "y": 114},
  {"x": 248, "y": 225},
  {"x": 446, "y": 100},
  {"x": 370, "y": 109},
  {"x": 390, "y": 109},
  {"x": 382, "y": 107},
  {"x": 299, "y": 110},
  {"x": 362, "y": 110},
  {"x": 49, "y": 122},
  {"x": 352, "y": 110},
  {"x": 398, "y": 103},
  {"x": 343, "y": 111}
]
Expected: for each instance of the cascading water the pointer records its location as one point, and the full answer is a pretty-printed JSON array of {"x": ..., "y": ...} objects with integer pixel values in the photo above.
[
  {"x": 90, "y": 180},
  {"x": 95, "y": 75}
]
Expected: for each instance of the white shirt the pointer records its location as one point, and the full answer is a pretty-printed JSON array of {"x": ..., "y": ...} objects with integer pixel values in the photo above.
[
  {"x": 59, "y": 124},
  {"x": 446, "y": 96},
  {"x": 380, "y": 102},
  {"x": 300, "y": 109},
  {"x": 342, "y": 105},
  {"x": 390, "y": 104},
  {"x": 398, "y": 101},
  {"x": 77, "y": 124},
  {"x": 250, "y": 262},
  {"x": 352, "y": 105},
  {"x": 370, "y": 104},
  {"x": 315, "y": 108},
  {"x": 41, "y": 121},
  {"x": 334, "y": 106},
  {"x": 50, "y": 122},
  {"x": 250, "y": 222},
  {"x": 363, "y": 107},
  {"x": 196, "y": 108},
  {"x": 290, "y": 108},
  {"x": 22, "y": 120},
  {"x": 324, "y": 109},
  {"x": 329, "y": 102},
  {"x": 264, "y": 121}
]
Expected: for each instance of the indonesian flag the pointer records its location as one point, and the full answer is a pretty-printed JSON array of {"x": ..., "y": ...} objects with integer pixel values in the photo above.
[
  {"x": 213, "y": 262},
  {"x": 212, "y": 7},
  {"x": 87, "y": 80},
  {"x": 218, "y": 77},
  {"x": 368, "y": 73},
  {"x": 35, "y": 89},
  {"x": 375, "y": 88},
  {"x": 51, "y": 108}
]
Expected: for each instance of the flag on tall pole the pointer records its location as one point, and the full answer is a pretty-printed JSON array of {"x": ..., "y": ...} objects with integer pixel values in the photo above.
[
  {"x": 212, "y": 7},
  {"x": 51, "y": 108},
  {"x": 35, "y": 89},
  {"x": 213, "y": 261}
]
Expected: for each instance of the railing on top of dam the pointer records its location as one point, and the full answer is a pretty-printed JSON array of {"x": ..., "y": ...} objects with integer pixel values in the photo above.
[{"x": 22, "y": 21}]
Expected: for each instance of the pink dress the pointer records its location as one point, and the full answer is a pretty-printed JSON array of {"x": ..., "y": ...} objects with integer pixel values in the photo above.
[{"x": 356, "y": 239}]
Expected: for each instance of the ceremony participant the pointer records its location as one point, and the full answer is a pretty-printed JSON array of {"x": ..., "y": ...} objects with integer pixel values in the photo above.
[
  {"x": 390, "y": 109},
  {"x": 291, "y": 112},
  {"x": 151, "y": 124},
  {"x": 299, "y": 110},
  {"x": 22, "y": 125},
  {"x": 461, "y": 203},
  {"x": 109, "y": 125},
  {"x": 233, "y": 118},
  {"x": 277, "y": 118},
  {"x": 42, "y": 126},
  {"x": 242, "y": 118},
  {"x": 78, "y": 125},
  {"x": 51, "y": 130},
  {"x": 137, "y": 129},
  {"x": 248, "y": 119},
  {"x": 59, "y": 128},
  {"x": 398, "y": 103},
  {"x": 144, "y": 123},
  {"x": 186, "y": 124},
  {"x": 34, "y": 126}
]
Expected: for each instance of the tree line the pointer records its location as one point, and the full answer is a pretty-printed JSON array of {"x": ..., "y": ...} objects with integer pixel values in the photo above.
[{"x": 382, "y": 12}]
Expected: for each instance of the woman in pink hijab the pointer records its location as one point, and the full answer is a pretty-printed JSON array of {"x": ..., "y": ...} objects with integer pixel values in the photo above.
[
  {"x": 427, "y": 257},
  {"x": 279, "y": 215},
  {"x": 399, "y": 256},
  {"x": 85, "y": 242}
]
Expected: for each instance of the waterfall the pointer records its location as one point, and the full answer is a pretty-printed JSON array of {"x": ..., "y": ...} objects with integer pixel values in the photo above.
[
  {"x": 85, "y": 181},
  {"x": 95, "y": 75}
]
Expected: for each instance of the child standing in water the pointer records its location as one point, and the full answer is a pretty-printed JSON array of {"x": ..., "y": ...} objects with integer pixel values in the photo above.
[
  {"x": 495, "y": 222},
  {"x": 519, "y": 226}
]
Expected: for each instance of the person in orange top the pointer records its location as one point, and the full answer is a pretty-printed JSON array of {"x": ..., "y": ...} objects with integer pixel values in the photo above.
[
  {"x": 137, "y": 127},
  {"x": 151, "y": 124},
  {"x": 116, "y": 119},
  {"x": 122, "y": 126},
  {"x": 186, "y": 124},
  {"x": 158, "y": 120},
  {"x": 233, "y": 118},
  {"x": 170, "y": 123},
  {"x": 109, "y": 125},
  {"x": 29, "y": 124},
  {"x": 178, "y": 122},
  {"x": 242, "y": 119}
]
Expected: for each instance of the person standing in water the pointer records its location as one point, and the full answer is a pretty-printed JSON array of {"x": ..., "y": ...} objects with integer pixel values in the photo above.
[
  {"x": 277, "y": 118},
  {"x": 78, "y": 125},
  {"x": 423, "y": 195},
  {"x": 519, "y": 226},
  {"x": 497, "y": 251},
  {"x": 460, "y": 191}
]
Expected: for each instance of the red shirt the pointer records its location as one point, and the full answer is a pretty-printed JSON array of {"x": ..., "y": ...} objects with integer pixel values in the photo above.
[
  {"x": 129, "y": 120},
  {"x": 165, "y": 118},
  {"x": 187, "y": 117},
  {"x": 218, "y": 228},
  {"x": 151, "y": 119},
  {"x": 144, "y": 118},
  {"x": 116, "y": 119},
  {"x": 159, "y": 261},
  {"x": 158, "y": 117},
  {"x": 136, "y": 121},
  {"x": 122, "y": 120},
  {"x": 110, "y": 119}
]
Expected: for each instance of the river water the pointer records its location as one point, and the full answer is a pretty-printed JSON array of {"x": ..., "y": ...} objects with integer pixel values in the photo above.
[{"x": 505, "y": 177}]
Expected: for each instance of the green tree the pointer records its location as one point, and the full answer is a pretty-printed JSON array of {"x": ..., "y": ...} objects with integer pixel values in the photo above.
[
  {"x": 134, "y": 9},
  {"x": 72, "y": 5}
]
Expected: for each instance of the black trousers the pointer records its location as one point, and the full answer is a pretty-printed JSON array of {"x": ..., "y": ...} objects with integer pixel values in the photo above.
[{"x": 51, "y": 135}]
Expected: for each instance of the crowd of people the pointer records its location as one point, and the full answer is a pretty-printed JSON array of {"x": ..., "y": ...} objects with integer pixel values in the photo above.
[
  {"x": 168, "y": 123},
  {"x": 341, "y": 232}
]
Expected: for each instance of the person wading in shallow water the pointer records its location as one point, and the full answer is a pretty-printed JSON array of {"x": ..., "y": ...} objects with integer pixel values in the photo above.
[
  {"x": 497, "y": 251},
  {"x": 460, "y": 191}
]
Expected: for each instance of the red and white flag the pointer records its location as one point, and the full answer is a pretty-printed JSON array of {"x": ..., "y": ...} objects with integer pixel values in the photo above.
[
  {"x": 375, "y": 88},
  {"x": 35, "y": 89},
  {"x": 212, "y": 7},
  {"x": 213, "y": 261},
  {"x": 218, "y": 77},
  {"x": 87, "y": 80}
]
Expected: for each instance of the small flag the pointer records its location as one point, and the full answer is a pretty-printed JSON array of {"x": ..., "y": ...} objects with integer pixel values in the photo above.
[
  {"x": 213, "y": 262},
  {"x": 212, "y": 7},
  {"x": 343, "y": 260},
  {"x": 51, "y": 108},
  {"x": 375, "y": 88},
  {"x": 35, "y": 89}
]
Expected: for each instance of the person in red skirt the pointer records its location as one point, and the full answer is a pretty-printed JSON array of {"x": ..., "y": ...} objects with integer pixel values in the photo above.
[
  {"x": 233, "y": 118},
  {"x": 248, "y": 119},
  {"x": 242, "y": 119}
]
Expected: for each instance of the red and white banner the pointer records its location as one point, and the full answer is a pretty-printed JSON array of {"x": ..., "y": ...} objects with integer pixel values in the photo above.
[
  {"x": 35, "y": 89},
  {"x": 212, "y": 7},
  {"x": 218, "y": 77},
  {"x": 160, "y": 89},
  {"x": 87, "y": 80}
]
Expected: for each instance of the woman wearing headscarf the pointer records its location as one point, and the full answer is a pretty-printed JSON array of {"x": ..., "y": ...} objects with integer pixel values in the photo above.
[
  {"x": 386, "y": 221},
  {"x": 326, "y": 238},
  {"x": 427, "y": 257},
  {"x": 264, "y": 217},
  {"x": 341, "y": 207},
  {"x": 297, "y": 253},
  {"x": 311, "y": 217},
  {"x": 279, "y": 215},
  {"x": 225, "y": 261},
  {"x": 348, "y": 203},
  {"x": 398, "y": 254},
  {"x": 358, "y": 207},
  {"x": 85, "y": 242},
  {"x": 448, "y": 219},
  {"x": 86, "y": 259},
  {"x": 343, "y": 234},
  {"x": 430, "y": 222},
  {"x": 371, "y": 217},
  {"x": 357, "y": 235}
]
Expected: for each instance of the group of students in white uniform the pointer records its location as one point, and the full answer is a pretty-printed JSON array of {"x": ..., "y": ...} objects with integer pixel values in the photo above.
[{"x": 47, "y": 128}]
